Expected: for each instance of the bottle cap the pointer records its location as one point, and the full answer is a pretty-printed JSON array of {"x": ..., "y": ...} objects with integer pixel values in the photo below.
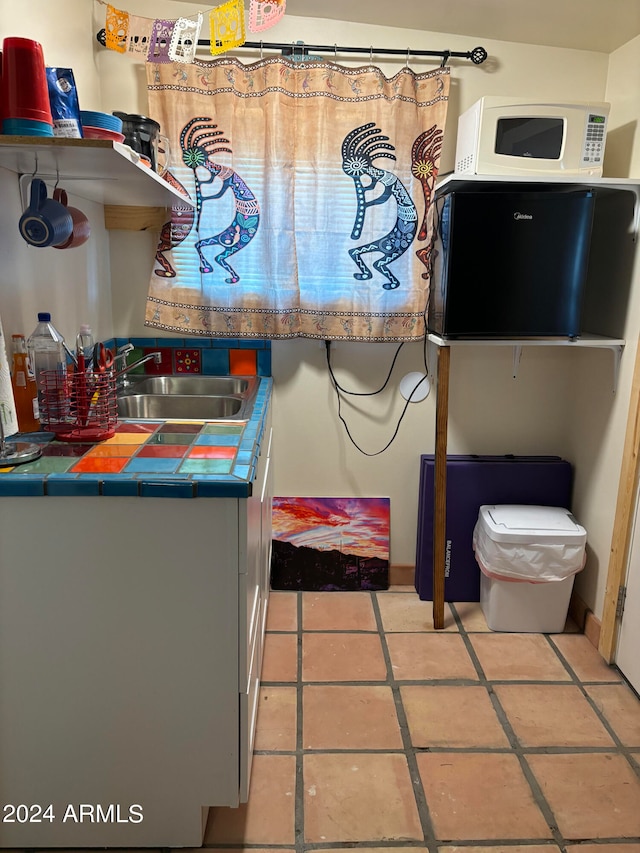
[
  {"x": 85, "y": 329},
  {"x": 44, "y": 317}
]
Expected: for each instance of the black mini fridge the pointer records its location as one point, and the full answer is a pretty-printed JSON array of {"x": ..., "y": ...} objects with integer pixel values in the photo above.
[{"x": 509, "y": 263}]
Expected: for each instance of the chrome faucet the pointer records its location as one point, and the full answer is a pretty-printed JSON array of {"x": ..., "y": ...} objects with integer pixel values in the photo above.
[{"x": 122, "y": 378}]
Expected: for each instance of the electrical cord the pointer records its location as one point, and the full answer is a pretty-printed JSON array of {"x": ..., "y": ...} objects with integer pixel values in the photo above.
[{"x": 340, "y": 390}]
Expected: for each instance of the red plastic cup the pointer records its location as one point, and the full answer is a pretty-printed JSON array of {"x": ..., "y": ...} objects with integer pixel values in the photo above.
[{"x": 25, "y": 94}]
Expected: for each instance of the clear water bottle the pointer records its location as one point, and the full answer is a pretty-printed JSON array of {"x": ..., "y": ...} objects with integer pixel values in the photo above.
[
  {"x": 84, "y": 344},
  {"x": 46, "y": 351}
]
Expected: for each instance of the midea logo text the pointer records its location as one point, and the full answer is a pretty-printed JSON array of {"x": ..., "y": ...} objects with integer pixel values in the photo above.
[{"x": 522, "y": 216}]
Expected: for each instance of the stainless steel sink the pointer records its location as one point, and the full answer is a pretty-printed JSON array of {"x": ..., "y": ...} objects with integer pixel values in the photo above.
[
  {"x": 188, "y": 397},
  {"x": 190, "y": 385}
]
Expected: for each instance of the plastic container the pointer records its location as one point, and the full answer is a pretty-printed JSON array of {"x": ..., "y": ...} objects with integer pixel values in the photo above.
[
  {"x": 25, "y": 389},
  {"x": 25, "y": 93},
  {"x": 85, "y": 344},
  {"x": 528, "y": 558},
  {"x": 46, "y": 351}
]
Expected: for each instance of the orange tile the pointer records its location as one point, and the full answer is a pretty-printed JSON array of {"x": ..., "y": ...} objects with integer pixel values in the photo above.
[
  {"x": 99, "y": 465},
  {"x": 280, "y": 658},
  {"x": 621, "y": 708},
  {"x": 282, "y": 612},
  {"x": 343, "y": 611},
  {"x": 417, "y": 657},
  {"x": 584, "y": 659},
  {"x": 603, "y": 848},
  {"x": 128, "y": 438},
  {"x": 479, "y": 795},
  {"x": 209, "y": 451},
  {"x": 347, "y": 717},
  {"x": 551, "y": 715},
  {"x": 243, "y": 362},
  {"x": 107, "y": 449},
  {"x": 518, "y": 657},
  {"x": 507, "y": 848},
  {"x": 269, "y": 815},
  {"x": 593, "y": 795},
  {"x": 402, "y": 612},
  {"x": 352, "y": 797},
  {"x": 342, "y": 657},
  {"x": 471, "y": 616},
  {"x": 276, "y": 725},
  {"x": 452, "y": 717}
]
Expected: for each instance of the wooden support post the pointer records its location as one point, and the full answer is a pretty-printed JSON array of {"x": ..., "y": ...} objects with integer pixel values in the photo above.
[{"x": 440, "y": 486}]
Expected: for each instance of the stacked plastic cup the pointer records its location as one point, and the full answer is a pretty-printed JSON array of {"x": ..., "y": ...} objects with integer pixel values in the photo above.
[{"x": 24, "y": 94}]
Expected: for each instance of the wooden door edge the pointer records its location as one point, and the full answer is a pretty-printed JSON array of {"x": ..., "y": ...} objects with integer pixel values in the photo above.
[{"x": 623, "y": 520}]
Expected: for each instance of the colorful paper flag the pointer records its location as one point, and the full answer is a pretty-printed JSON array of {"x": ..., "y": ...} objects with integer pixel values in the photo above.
[
  {"x": 161, "y": 34},
  {"x": 116, "y": 29},
  {"x": 184, "y": 40},
  {"x": 226, "y": 24},
  {"x": 265, "y": 13}
]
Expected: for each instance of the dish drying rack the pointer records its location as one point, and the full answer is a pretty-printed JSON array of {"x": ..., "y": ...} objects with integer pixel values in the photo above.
[{"x": 80, "y": 404}]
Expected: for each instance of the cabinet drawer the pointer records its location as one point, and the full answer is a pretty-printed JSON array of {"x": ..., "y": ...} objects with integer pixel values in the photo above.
[
  {"x": 249, "y": 594},
  {"x": 249, "y": 714}
]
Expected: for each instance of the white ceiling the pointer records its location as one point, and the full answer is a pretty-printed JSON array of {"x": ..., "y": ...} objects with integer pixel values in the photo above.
[{"x": 600, "y": 25}]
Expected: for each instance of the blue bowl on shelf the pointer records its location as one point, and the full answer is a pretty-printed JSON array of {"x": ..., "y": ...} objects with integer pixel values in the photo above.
[
  {"x": 26, "y": 127},
  {"x": 105, "y": 121}
]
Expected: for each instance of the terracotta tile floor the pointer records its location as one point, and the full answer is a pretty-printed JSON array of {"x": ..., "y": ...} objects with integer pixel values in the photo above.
[{"x": 376, "y": 732}]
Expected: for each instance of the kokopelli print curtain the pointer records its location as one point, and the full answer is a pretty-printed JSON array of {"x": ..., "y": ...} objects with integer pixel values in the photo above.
[{"x": 312, "y": 185}]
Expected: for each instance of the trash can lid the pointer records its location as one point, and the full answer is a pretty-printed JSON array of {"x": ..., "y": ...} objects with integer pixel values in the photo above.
[{"x": 523, "y": 523}]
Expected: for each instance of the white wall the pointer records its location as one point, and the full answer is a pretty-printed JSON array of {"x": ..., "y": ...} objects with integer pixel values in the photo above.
[
  {"x": 490, "y": 412},
  {"x": 597, "y": 427},
  {"x": 74, "y": 285}
]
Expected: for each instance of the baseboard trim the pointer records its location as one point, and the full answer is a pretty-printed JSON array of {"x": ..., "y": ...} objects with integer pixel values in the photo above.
[
  {"x": 400, "y": 575},
  {"x": 583, "y": 616}
]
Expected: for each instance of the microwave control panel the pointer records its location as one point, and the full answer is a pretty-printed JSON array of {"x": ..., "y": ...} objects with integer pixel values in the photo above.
[{"x": 594, "y": 137}]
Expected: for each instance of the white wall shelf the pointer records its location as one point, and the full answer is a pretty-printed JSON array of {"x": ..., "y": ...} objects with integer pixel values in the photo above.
[
  {"x": 616, "y": 345},
  {"x": 99, "y": 170}
]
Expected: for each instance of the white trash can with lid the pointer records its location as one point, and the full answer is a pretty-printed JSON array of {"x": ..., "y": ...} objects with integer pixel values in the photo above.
[{"x": 528, "y": 557}]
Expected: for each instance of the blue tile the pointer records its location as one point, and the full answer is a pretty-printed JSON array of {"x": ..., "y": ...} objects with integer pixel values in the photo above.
[
  {"x": 120, "y": 342},
  {"x": 214, "y": 488},
  {"x": 144, "y": 342},
  {"x": 166, "y": 489},
  {"x": 215, "y": 362},
  {"x": 119, "y": 485},
  {"x": 193, "y": 343},
  {"x": 241, "y": 471},
  {"x": 229, "y": 343},
  {"x": 264, "y": 362},
  {"x": 152, "y": 465},
  {"x": 21, "y": 485},
  {"x": 177, "y": 343},
  {"x": 71, "y": 485},
  {"x": 215, "y": 440}
]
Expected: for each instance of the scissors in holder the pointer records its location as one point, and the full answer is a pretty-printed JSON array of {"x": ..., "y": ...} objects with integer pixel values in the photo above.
[{"x": 102, "y": 358}]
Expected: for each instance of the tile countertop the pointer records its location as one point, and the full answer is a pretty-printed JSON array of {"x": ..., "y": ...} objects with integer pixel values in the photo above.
[{"x": 172, "y": 458}]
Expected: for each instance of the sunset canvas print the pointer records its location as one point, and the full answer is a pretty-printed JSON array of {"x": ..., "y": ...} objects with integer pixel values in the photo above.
[{"x": 323, "y": 544}]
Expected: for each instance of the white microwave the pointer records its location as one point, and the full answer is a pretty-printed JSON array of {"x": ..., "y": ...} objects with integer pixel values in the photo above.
[{"x": 507, "y": 136}]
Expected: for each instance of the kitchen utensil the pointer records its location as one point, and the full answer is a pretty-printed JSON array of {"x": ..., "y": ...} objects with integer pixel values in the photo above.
[
  {"x": 45, "y": 222},
  {"x": 102, "y": 358},
  {"x": 143, "y": 135},
  {"x": 81, "y": 226},
  {"x": 25, "y": 93}
]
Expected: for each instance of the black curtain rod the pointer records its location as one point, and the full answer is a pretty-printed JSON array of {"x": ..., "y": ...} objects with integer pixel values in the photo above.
[{"x": 477, "y": 55}]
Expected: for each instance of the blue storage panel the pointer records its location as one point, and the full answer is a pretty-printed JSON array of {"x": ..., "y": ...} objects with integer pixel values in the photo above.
[{"x": 471, "y": 482}]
